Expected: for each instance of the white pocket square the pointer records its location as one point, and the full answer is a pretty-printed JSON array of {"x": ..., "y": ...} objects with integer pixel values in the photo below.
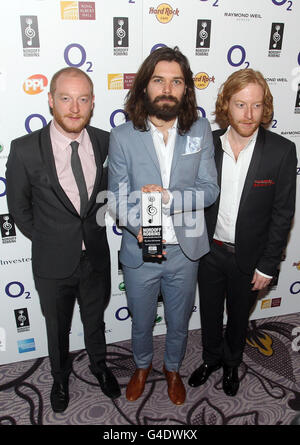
[
  {"x": 192, "y": 145},
  {"x": 105, "y": 163}
]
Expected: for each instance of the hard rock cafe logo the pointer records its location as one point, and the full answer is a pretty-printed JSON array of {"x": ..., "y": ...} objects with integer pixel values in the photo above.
[
  {"x": 202, "y": 80},
  {"x": 164, "y": 12},
  {"x": 297, "y": 265}
]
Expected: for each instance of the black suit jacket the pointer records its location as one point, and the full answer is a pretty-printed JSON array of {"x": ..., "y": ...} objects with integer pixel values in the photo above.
[
  {"x": 44, "y": 213},
  {"x": 267, "y": 202}
]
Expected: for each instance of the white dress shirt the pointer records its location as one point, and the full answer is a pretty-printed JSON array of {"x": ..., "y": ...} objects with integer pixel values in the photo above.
[
  {"x": 164, "y": 154},
  {"x": 234, "y": 172}
]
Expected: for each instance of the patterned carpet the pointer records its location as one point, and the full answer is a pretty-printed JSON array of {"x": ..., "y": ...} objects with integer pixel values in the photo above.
[{"x": 269, "y": 392}]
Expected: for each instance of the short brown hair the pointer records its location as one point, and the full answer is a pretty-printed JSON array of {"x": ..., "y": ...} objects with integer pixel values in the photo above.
[
  {"x": 236, "y": 82},
  {"x": 135, "y": 99},
  {"x": 73, "y": 72}
]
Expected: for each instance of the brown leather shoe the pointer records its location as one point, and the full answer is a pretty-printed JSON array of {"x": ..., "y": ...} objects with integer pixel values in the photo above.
[
  {"x": 176, "y": 389},
  {"x": 136, "y": 386}
]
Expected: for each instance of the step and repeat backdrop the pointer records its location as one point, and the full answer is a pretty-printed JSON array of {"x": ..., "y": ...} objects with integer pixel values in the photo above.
[{"x": 109, "y": 40}]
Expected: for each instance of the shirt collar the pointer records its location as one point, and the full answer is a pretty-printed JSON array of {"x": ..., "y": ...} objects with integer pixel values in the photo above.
[
  {"x": 155, "y": 129},
  {"x": 225, "y": 143},
  {"x": 63, "y": 140}
]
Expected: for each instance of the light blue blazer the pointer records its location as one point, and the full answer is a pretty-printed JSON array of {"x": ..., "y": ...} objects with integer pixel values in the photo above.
[{"x": 133, "y": 163}]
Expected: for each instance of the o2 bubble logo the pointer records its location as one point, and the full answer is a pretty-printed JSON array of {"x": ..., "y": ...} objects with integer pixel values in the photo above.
[
  {"x": 2, "y": 187},
  {"x": 238, "y": 53},
  {"x": 16, "y": 289},
  {"x": 29, "y": 119},
  {"x": 201, "y": 111},
  {"x": 78, "y": 50},
  {"x": 113, "y": 117},
  {"x": 295, "y": 288},
  {"x": 157, "y": 46},
  {"x": 283, "y": 2},
  {"x": 122, "y": 313},
  {"x": 116, "y": 231}
]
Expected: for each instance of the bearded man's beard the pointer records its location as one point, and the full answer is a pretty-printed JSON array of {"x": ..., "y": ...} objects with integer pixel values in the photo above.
[{"x": 164, "y": 111}]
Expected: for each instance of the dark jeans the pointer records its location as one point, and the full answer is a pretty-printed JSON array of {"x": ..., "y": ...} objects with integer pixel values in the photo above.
[{"x": 57, "y": 298}]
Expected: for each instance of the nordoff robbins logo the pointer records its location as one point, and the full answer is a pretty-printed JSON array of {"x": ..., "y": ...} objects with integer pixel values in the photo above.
[{"x": 164, "y": 12}]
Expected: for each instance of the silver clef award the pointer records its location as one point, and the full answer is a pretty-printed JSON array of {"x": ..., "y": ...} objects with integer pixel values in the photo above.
[{"x": 152, "y": 223}]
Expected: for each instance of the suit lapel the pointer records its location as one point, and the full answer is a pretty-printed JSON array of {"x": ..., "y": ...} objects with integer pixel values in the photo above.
[
  {"x": 146, "y": 137},
  {"x": 99, "y": 166},
  {"x": 178, "y": 151},
  {"x": 49, "y": 162}
]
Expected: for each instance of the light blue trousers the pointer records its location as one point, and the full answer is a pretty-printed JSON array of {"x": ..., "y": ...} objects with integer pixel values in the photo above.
[{"x": 176, "y": 279}]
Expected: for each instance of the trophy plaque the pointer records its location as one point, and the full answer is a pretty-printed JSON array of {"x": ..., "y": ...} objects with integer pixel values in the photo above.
[{"x": 152, "y": 223}]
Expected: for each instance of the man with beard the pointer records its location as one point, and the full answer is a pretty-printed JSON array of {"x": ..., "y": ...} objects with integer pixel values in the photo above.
[
  {"x": 247, "y": 226},
  {"x": 164, "y": 148},
  {"x": 53, "y": 178}
]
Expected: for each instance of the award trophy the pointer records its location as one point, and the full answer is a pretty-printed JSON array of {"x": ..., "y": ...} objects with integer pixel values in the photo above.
[{"x": 152, "y": 223}]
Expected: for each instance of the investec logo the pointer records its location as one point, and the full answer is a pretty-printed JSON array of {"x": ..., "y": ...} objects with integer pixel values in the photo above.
[
  {"x": 35, "y": 84},
  {"x": 164, "y": 12}
]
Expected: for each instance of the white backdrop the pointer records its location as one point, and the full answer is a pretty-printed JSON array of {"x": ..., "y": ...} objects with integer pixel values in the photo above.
[{"x": 109, "y": 40}]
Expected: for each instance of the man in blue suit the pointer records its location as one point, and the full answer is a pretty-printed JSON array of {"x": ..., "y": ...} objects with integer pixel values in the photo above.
[{"x": 165, "y": 147}]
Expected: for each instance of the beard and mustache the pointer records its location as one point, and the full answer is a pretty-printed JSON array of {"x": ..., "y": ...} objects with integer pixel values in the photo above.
[{"x": 165, "y": 111}]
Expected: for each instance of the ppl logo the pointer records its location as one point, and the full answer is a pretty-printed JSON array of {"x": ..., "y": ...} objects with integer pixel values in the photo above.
[{"x": 35, "y": 84}]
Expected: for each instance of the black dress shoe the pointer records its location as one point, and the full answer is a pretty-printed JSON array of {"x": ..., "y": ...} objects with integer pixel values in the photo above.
[
  {"x": 231, "y": 381},
  {"x": 201, "y": 374},
  {"x": 108, "y": 383},
  {"x": 59, "y": 396}
]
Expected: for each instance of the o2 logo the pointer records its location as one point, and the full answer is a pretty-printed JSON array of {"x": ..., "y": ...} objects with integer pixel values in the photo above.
[
  {"x": 16, "y": 289},
  {"x": 283, "y": 2},
  {"x": 115, "y": 230},
  {"x": 215, "y": 3},
  {"x": 201, "y": 111},
  {"x": 157, "y": 46},
  {"x": 239, "y": 53},
  {"x": 113, "y": 116},
  {"x": 2, "y": 189},
  {"x": 274, "y": 123},
  {"x": 82, "y": 57},
  {"x": 295, "y": 288},
  {"x": 122, "y": 313},
  {"x": 34, "y": 116}
]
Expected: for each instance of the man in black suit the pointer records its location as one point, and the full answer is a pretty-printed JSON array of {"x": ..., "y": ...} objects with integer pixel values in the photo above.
[
  {"x": 53, "y": 178},
  {"x": 248, "y": 225}
]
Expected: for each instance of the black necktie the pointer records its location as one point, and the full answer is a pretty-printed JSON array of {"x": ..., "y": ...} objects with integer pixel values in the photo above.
[{"x": 79, "y": 176}]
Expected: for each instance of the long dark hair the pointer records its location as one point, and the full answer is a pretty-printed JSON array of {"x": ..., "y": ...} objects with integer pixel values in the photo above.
[{"x": 134, "y": 102}]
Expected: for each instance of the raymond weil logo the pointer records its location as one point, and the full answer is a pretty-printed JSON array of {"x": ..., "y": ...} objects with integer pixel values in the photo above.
[
  {"x": 164, "y": 12},
  {"x": 73, "y": 10},
  {"x": 35, "y": 84}
]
